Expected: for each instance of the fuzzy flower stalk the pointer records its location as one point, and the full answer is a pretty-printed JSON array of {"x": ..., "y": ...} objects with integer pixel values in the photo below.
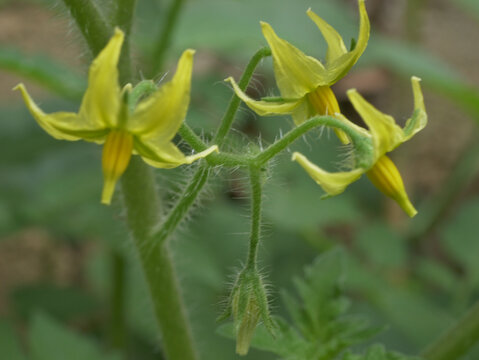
[
  {"x": 369, "y": 155},
  {"x": 105, "y": 117},
  {"x": 303, "y": 81},
  {"x": 248, "y": 304}
]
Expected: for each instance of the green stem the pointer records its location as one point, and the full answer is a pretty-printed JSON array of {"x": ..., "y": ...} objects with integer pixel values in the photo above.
[
  {"x": 256, "y": 198},
  {"x": 181, "y": 208},
  {"x": 142, "y": 215},
  {"x": 91, "y": 22},
  {"x": 234, "y": 103},
  {"x": 224, "y": 159},
  {"x": 123, "y": 19},
  {"x": 456, "y": 341},
  {"x": 298, "y": 131},
  {"x": 163, "y": 42}
]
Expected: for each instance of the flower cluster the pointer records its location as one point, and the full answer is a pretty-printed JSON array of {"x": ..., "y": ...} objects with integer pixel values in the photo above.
[{"x": 304, "y": 83}]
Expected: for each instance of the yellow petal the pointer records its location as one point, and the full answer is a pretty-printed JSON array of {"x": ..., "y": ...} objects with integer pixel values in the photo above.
[
  {"x": 386, "y": 135},
  {"x": 296, "y": 73},
  {"x": 324, "y": 102},
  {"x": 264, "y": 108},
  {"x": 167, "y": 156},
  {"x": 332, "y": 183},
  {"x": 385, "y": 176},
  {"x": 116, "y": 157},
  {"x": 336, "y": 46},
  {"x": 419, "y": 118},
  {"x": 161, "y": 115},
  {"x": 64, "y": 125},
  {"x": 101, "y": 101},
  {"x": 339, "y": 64}
]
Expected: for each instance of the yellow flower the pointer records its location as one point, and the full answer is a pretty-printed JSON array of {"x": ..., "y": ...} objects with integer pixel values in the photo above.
[
  {"x": 104, "y": 117},
  {"x": 304, "y": 82},
  {"x": 383, "y": 136}
]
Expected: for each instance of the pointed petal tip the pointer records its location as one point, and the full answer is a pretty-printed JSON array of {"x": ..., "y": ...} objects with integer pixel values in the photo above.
[
  {"x": 266, "y": 27},
  {"x": 118, "y": 32},
  {"x": 296, "y": 155},
  {"x": 19, "y": 86},
  {"x": 351, "y": 92}
]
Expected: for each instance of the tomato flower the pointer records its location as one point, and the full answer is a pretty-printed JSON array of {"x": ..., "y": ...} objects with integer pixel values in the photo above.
[{"x": 105, "y": 117}]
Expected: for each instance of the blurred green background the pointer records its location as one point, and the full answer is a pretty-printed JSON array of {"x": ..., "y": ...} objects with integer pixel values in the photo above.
[{"x": 69, "y": 277}]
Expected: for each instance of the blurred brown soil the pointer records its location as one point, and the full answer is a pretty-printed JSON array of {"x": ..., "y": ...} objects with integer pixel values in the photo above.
[{"x": 34, "y": 256}]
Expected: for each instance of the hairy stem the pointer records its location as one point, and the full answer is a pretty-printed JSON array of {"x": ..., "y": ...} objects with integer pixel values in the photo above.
[
  {"x": 256, "y": 198},
  {"x": 123, "y": 19},
  {"x": 142, "y": 215},
  {"x": 234, "y": 103},
  {"x": 181, "y": 208},
  {"x": 164, "y": 38},
  {"x": 456, "y": 341},
  {"x": 91, "y": 22}
]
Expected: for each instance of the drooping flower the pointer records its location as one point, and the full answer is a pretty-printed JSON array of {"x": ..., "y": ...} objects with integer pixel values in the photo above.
[
  {"x": 303, "y": 81},
  {"x": 370, "y": 157},
  {"x": 105, "y": 118}
]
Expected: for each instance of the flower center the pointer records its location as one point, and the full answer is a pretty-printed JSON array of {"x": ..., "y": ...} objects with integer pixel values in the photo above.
[
  {"x": 116, "y": 156},
  {"x": 324, "y": 102},
  {"x": 385, "y": 176}
]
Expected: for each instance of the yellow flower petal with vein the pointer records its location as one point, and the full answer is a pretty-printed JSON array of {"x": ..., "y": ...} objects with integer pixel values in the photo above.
[
  {"x": 336, "y": 46},
  {"x": 296, "y": 73},
  {"x": 385, "y": 133},
  {"x": 264, "y": 108},
  {"x": 64, "y": 125},
  {"x": 101, "y": 101},
  {"x": 161, "y": 115},
  {"x": 332, "y": 183}
]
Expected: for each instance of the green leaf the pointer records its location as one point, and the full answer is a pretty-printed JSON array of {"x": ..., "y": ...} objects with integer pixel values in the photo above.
[
  {"x": 9, "y": 344},
  {"x": 45, "y": 71},
  {"x": 50, "y": 340}
]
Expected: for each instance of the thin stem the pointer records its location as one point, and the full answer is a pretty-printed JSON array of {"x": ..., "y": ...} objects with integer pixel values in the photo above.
[
  {"x": 91, "y": 22},
  {"x": 163, "y": 42},
  {"x": 234, "y": 103},
  {"x": 223, "y": 159},
  {"x": 256, "y": 198},
  {"x": 123, "y": 19},
  {"x": 298, "y": 131},
  {"x": 181, "y": 208},
  {"x": 456, "y": 341},
  {"x": 142, "y": 215}
]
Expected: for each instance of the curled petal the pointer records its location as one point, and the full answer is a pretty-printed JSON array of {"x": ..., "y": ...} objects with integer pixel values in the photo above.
[
  {"x": 336, "y": 46},
  {"x": 340, "y": 61},
  {"x": 160, "y": 116},
  {"x": 419, "y": 118},
  {"x": 386, "y": 135},
  {"x": 64, "y": 125},
  {"x": 332, "y": 183},
  {"x": 296, "y": 73},
  {"x": 101, "y": 101},
  {"x": 167, "y": 156},
  {"x": 265, "y": 108}
]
